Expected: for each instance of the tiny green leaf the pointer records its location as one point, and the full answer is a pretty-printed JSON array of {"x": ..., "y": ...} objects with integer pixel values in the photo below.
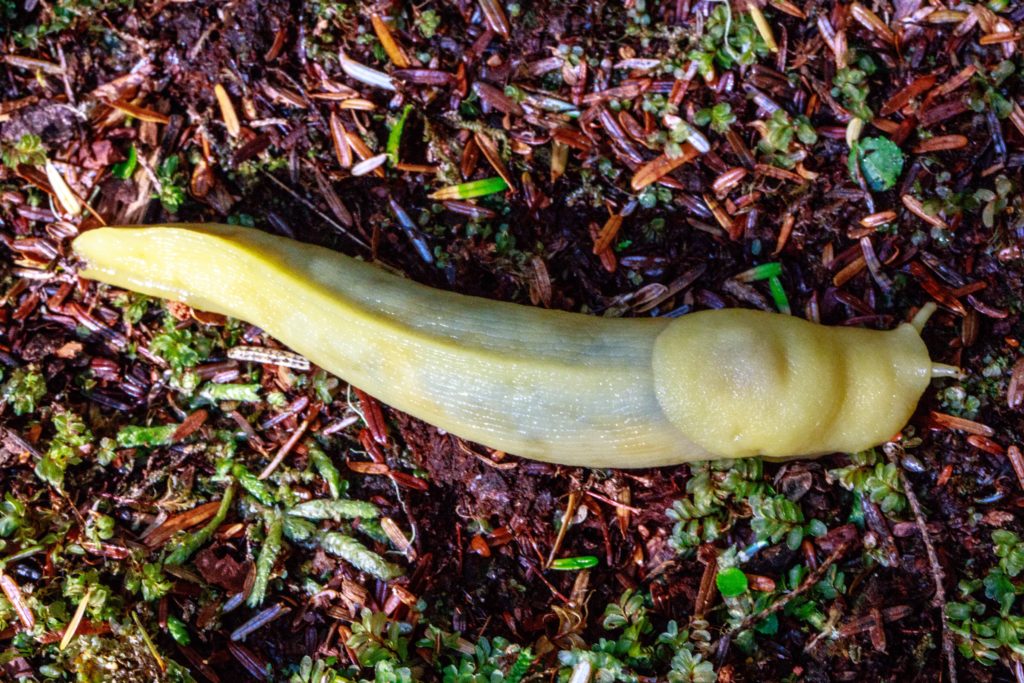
[
  {"x": 761, "y": 272},
  {"x": 881, "y": 162},
  {"x": 958, "y": 611},
  {"x": 124, "y": 169},
  {"x": 476, "y": 188},
  {"x": 395, "y": 135},
  {"x": 178, "y": 629},
  {"x": 768, "y": 626},
  {"x": 572, "y": 563},
  {"x": 998, "y": 587},
  {"x": 731, "y": 582},
  {"x": 779, "y": 295}
]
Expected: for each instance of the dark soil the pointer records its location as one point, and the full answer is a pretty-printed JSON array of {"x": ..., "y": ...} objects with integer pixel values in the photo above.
[{"x": 95, "y": 80}]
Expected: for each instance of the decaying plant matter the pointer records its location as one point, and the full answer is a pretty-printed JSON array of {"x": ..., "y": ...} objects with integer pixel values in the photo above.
[{"x": 184, "y": 499}]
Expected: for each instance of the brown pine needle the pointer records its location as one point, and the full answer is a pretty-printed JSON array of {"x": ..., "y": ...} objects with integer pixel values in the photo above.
[
  {"x": 227, "y": 111},
  {"x": 72, "y": 628}
]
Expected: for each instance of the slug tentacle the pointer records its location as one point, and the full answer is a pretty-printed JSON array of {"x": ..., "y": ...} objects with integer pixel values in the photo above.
[
  {"x": 548, "y": 385},
  {"x": 921, "y": 318},
  {"x": 947, "y": 371}
]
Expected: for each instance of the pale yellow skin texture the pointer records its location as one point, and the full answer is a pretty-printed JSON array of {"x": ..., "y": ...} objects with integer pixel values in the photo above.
[{"x": 548, "y": 385}]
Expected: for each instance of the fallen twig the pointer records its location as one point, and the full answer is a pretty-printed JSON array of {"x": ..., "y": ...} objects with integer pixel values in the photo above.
[
  {"x": 721, "y": 646},
  {"x": 808, "y": 583},
  {"x": 938, "y": 575}
]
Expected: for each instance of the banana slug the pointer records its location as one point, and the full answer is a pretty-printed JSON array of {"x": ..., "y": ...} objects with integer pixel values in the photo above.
[{"x": 549, "y": 385}]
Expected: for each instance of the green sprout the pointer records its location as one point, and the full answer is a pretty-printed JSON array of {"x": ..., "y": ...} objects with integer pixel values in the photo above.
[
  {"x": 27, "y": 151},
  {"x": 880, "y": 162},
  {"x": 719, "y": 117},
  {"x": 172, "y": 190},
  {"x": 23, "y": 390}
]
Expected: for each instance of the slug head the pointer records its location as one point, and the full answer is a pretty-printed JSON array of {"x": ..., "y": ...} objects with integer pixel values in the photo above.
[{"x": 742, "y": 383}]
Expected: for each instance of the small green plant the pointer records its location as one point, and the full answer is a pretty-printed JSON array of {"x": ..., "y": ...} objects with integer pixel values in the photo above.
[
  {"x": 719, "y": 117},
  {"x": 989, "y": 91},
  {"x": 65, "y": 448},
  {"x": 316, "y": 671},
  {"x": 956, "y": 401},
  {"x": 689, "y": 667},
  {"x": 638, "y": 650},
  {"x": 149, "y": 581},
  {"x": 729, "y": 39},
  {"x": 885, "y": 488},
  {"x": 1009, "y": 548},
  {"x": 780, "y": 131},
  {"x": 629, "y": 615},
  {"x": 133, "y": 306},
  {"x": 183, "y": 349},
  {"x": 851, "y": 87},
  {"x": 359, "y": 556},
  {"x": 997, "y": 201},
  {"x": 124, "y": 656},
  {"x": 172, "y": 184},
  {"x": 134, "y": 436},
  {"x": 269, "y": 550},
  {"x": 104, "y": 603},
  {"x": 651, "y": 196},
  {"x": 776, "y": 518},
  {"x": 12, "y": 515},
  {"x": 28, "y": 151},
  {"x": 497, "y": 661},
  {"x": 706, "y": 513},
  {"x": 810, "y": 607},
  {"x": 853, "y": 476},
  {"x": 879, "y": 482},
  {"x": 428, "y": 23},
  {"x": 992, "y": 631},
  {"x": 374, "y": 639},
  {"x": 672, "y": 140},
  {"x": 24, "y": 390},
  {"x": 236, "y": 393}
]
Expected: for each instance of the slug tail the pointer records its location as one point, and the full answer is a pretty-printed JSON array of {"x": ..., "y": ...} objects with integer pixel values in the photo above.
[{"x": 548, "y": 385}]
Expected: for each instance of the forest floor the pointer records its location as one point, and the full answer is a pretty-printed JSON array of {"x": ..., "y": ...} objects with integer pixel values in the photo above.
[{"x": 844, "y": 162}]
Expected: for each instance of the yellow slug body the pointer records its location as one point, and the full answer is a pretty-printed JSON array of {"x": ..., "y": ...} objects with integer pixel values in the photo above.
[{"x": 548, "y": 385}]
